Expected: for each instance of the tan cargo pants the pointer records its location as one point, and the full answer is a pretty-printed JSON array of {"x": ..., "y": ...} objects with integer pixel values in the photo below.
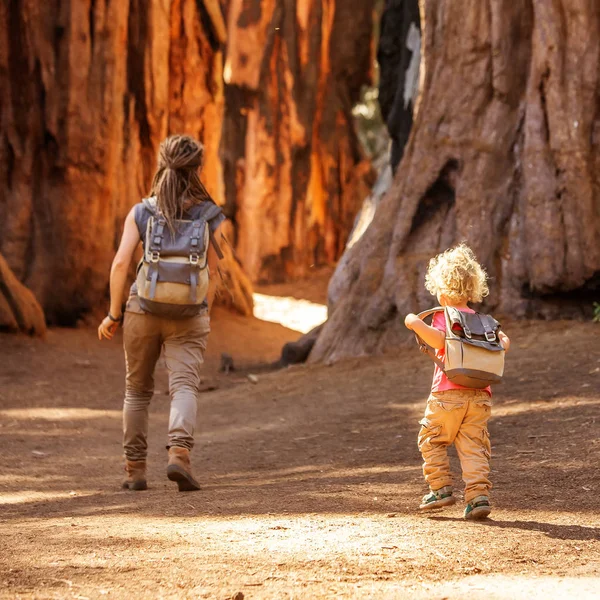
[
  {"x": 457, "y": 417},
  {"x": 184, "y": 344}
]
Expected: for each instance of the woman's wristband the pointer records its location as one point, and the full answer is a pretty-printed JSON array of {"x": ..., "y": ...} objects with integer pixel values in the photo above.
[{"x": 115, "y": 320}]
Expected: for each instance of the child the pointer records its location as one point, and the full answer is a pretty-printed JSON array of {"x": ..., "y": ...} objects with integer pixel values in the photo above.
[{"x": 455, "y": 414}]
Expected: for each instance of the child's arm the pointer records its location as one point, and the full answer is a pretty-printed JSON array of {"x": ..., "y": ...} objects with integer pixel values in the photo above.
[
  {"x": 504, "y": 340},
  {"x": 430, "y": 335}
]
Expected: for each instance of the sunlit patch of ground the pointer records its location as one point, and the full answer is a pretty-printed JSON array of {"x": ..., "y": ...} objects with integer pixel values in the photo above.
[
  {"x": 58, "y": 414},
  {"x": 29, "y": 496},
  {"x": 293, "y": 313},
  {"x": 310, "y": 478},
  {"x": 514, "y": 407},
  {"x": 300, "y": 556}
]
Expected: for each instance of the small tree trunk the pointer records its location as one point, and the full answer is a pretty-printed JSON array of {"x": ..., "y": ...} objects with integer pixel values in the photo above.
[
  {"x": 504, "y": 155},
  {"x": 19, "y": 310}
]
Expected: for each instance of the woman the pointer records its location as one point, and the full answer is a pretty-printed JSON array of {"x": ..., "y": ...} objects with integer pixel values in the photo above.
[{"x": 178, "y": 199}]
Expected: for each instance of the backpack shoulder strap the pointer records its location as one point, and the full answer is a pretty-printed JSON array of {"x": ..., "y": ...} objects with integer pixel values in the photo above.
[
  {"x": 150, "y": 205},
  {"x": 215, "y": 244},
  {"x": 205, "y": 211},
  {"x": 208, "y": 211},
  {"x": 423, "y": 347},
  {"x": 426, "y": 313},
  {"x": 211, "y": 211}
]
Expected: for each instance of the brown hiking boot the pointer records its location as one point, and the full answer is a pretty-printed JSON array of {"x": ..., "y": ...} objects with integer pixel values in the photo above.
[
  {"x": 179, "y": 469},
  {"x": 136, "y": 475}
]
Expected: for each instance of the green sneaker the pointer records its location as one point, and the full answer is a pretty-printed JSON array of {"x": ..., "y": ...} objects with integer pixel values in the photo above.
[
  {"x": 438, "y": 499},
  {"x": 479, "y": 508}
]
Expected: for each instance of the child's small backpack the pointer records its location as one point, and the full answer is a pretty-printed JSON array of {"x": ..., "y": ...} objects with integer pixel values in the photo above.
[
  {"x": 172, "y": 277},
  {"x": 474, "y": 357}
]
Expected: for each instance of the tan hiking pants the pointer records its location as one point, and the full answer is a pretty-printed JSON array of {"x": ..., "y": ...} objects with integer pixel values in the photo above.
[
  {"x": 184, "y": 343},
  {"x": 457, "y": 417}
]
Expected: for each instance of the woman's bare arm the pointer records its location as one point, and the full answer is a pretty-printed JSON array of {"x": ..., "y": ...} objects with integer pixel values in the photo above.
[
  {"x": 118, "y": 275},
  {"x": 121, "y": 262}
]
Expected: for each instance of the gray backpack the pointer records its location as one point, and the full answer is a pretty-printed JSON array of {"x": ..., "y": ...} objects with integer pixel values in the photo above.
[
  {"x": 474, "y": 357},
  {"x": 172, "y": 277}
]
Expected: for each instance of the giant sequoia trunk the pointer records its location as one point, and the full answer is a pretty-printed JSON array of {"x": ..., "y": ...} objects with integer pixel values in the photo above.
[
  {"x": 503, "y": 154},
  {"x": 89, "y": 88},
  {"x": 294, "y": 173}
]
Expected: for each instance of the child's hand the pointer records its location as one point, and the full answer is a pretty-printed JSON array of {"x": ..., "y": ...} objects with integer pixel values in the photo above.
[
  {"x": 410, "y": 320},
  {"x": 504, "y": 340}
]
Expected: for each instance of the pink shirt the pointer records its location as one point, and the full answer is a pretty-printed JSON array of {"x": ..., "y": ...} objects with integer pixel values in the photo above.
[{"x": 440, "y": 382}]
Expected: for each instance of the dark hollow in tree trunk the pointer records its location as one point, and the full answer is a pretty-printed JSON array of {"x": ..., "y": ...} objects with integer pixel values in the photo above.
[{"x": 399, "y": 56}]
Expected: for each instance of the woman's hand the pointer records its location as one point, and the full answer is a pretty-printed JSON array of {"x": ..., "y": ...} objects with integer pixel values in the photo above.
[{"x": 107, "y": 328}]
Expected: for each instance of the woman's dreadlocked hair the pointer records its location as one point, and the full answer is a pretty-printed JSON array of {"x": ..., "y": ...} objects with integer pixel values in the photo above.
[{"x": 177, "y": 179}]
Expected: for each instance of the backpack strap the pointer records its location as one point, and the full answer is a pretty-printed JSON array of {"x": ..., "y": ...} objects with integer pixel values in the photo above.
[
  {"x": 423, "y": 347},
  {"x": 150, "y": 204},
  {"x": 215, "y": 244},
  {"x": 154, "y": 250},
  {"x": 199, "y": 224},
  {"x": 203, "y": 214},
  {"x": 490, "y": 327},
  {"x": 423, "y": 315},
  {"x": 193, "y": 284},
  {"x": 211, "y": 212},
  {"x": 154, "y": 244}
]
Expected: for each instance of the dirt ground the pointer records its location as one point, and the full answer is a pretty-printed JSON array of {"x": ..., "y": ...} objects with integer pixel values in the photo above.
[{"x": 311, "y": 477}]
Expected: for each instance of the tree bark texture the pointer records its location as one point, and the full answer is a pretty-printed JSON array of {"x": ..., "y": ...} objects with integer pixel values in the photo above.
[
  {"x": 504, "y": 155},
  {"x": 294, "y": 172},
  {"x": 19, "y": 310},
  {"x": 89, "y": 89}
]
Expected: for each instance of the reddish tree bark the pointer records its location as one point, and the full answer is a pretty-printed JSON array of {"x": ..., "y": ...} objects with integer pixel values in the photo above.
[
  {"x": 295, "y": 176},
  {"x": 504, "y": 155},
  {"x": 89, "y": 90}
]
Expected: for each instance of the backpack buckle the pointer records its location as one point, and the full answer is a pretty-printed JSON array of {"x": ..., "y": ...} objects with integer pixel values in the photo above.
[
  {"x": 467, "y": 332},
  {"x": 490, "y": 336},
  {"x": 154, "y": 256},
  {"x": 194, "y": 259}
]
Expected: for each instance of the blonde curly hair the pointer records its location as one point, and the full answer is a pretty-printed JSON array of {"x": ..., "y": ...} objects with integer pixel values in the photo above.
[{"x": 457, "y": 275}]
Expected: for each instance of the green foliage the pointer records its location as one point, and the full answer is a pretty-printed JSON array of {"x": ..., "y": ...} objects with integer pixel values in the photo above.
[{"x": 596, "y": 317}]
